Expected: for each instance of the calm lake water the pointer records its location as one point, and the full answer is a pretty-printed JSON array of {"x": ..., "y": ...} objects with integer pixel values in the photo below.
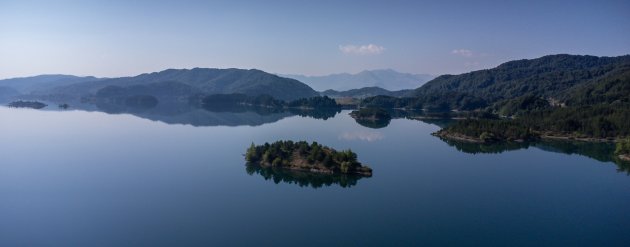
[{"x": 79, "y": 178}]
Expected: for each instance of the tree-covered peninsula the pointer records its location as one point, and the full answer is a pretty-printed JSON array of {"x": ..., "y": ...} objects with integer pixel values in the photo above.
[
  {"x": 303, "y": 156},
  {"x": 318, "y": 102}
]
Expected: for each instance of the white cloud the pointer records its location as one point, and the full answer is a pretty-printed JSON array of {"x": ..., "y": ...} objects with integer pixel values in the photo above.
[
  {"x": 362, "y": 49},
  {"x": 361, "y": 136},
  {"x": 463, "y": 52}
]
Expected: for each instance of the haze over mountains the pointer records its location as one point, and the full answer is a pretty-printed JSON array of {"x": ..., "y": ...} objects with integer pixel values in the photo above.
[
  {"x": 562, "y": 78},
  {"x": 41, "y": 83},
  {"x": 184, "y": 82},
  {"x": 365, "y": 92},
  {"x": 386, "y": 78}
]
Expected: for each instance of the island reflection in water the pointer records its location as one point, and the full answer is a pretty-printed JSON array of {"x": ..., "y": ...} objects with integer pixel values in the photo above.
[
  {"x": 240, "y": 115},
  {"x": 302, "y": 178},
  {"x": 604, "y": 152},
  {"x": 217, "y": 115}
]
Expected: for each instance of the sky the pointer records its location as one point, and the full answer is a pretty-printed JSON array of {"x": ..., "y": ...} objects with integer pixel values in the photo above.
[{"x": 125, "y": 38}]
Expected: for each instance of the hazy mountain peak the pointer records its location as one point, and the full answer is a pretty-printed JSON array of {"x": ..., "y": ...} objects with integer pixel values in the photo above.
[{"x": 27, "y": 85}]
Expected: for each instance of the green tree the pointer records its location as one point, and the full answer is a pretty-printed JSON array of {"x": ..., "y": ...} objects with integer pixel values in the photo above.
[
  {"x": 251, "y": 154},
  {"x": 623, "y": 147}
]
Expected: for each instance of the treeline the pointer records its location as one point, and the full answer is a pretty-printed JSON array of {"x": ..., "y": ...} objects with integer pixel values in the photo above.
[
  {"x": 590, "y": 121},
  {"x": 289, "y": 154},
  {"x": 522, "y": 86},
  {"x": 599, "y": 121},
  {"x": 314, "y": 102},
  {"x": 439, "y": 102},
  {"x": 613, "y": 88},
  {"x": 564, "y": 95},
  {"x": 623, "y": 147},
  {"x": 318, "y": 102},
  {"x": 490, "y": 130},
  {"x": 521, "y": 105},
  {"x": 371, "y": 113}
]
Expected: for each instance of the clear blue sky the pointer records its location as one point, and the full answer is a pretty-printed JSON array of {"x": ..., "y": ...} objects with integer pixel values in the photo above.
[{"x": 119, "y": 38}]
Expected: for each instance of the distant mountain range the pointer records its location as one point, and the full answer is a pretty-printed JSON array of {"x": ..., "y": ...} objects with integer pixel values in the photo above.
[
  {"x": 7, "y": 93},
  {"x": 42, "y": 83},
  {"x": 207, "y": 81},
  {"x": 183, "y": 82},
  {"x": 365, "y": 92},
  {"x": 387, "y": 79},
  {"x": 559, "y": 79}
]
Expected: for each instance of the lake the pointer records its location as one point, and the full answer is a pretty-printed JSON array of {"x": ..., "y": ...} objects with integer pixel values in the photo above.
[{"x": 89, "y": 178}]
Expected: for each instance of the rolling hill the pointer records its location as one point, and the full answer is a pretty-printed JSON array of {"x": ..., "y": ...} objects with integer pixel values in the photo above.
[
  {"x": 42, "y": 83},
  {"x": 558, "y": 78},
  {"x": 203, "y": 80}
]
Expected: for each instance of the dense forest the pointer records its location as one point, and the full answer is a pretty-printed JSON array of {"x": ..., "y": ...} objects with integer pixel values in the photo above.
[
  {"x": 303, "y": 156},
  {"x": 439, "y": 102},
  {"x": 569, "y": 80},
  {"x": 550, "y": 77},
  {"x": 562, "y": 95},
  {"x": 520, "y": 105},
  {"x": 603, "y": 121},
  {"x": 598, "y": 121},
  {"x": 322, "y": 102},
  {"x": 318, "y": 102},
  {"x": 371, "y": 114},
  {"x": 623, "y": 147},
  {"x": 489, "y": 130}
]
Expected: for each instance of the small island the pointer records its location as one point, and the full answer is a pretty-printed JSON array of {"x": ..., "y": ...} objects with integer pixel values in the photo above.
[
  {"x": 27, "y": 104},
  {"x": 302, "y": 156},
  {"x": 374, "y": 118},
  {"x": 371, "y": 114}
]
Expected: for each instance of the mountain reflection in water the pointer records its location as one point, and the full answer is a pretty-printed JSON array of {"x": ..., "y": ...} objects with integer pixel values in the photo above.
[{"x": 221, "y": 115}]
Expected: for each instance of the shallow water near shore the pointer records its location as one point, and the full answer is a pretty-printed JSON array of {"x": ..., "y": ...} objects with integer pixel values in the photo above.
[{"x": 79, "y": 178}]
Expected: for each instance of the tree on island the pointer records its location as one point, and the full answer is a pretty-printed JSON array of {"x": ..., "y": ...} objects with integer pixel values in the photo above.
[{"x": 304, "y": 156}]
